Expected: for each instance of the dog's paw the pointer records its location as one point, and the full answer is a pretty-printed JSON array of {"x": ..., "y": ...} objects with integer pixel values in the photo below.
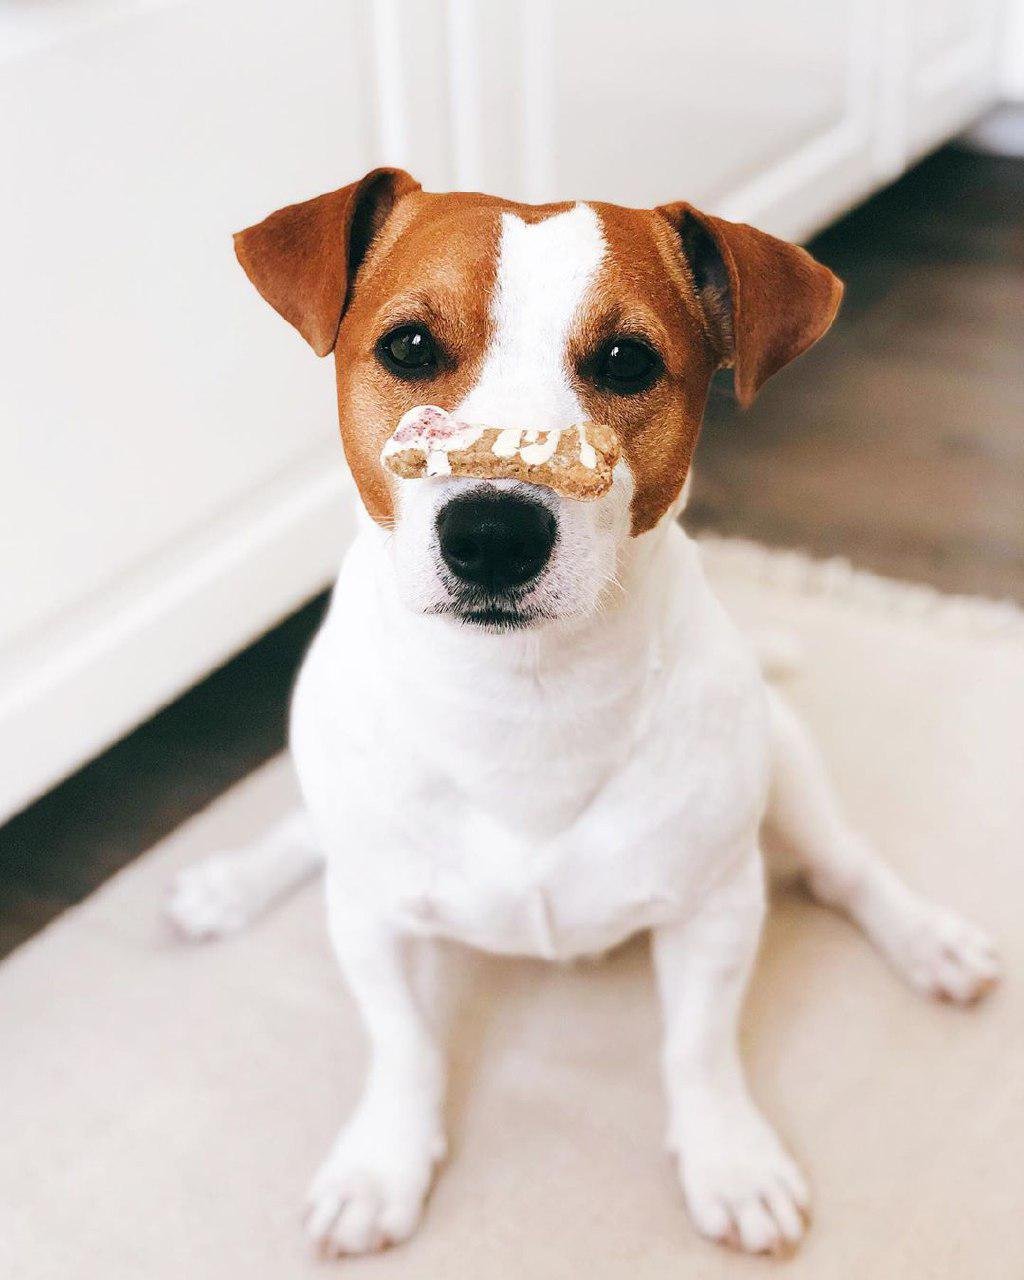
[
  {"x": 369, "y": 1193},
  {"x": 945, "y": 956},
  {"x": 208, "y": 900},
  {"x": 741, "y": 1187}
]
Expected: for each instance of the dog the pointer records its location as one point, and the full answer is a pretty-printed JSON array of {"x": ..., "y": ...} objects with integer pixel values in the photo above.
[{"x": 526, "y": 723}]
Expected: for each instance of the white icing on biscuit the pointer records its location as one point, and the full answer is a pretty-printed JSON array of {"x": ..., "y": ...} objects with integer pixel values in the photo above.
[
  {"x": 507, "y": 443},
  {"x": 588, "y": 454},
  {"x": 535, "y": 455}
]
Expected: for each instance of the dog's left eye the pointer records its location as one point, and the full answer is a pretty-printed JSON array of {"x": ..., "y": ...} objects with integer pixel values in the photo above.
[
  {"x": 409, "y": 352},
  {"x": 626, "y": 366}
]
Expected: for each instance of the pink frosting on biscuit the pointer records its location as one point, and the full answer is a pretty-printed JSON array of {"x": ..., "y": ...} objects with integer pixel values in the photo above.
[{"x": 426, "y": 422}]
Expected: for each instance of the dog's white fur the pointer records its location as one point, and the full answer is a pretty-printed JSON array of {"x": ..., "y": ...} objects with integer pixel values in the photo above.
[{"x": 551, "y": 792}]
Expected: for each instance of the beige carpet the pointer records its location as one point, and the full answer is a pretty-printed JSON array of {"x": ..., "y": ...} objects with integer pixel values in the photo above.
[{"x": 163, "y": 1107}]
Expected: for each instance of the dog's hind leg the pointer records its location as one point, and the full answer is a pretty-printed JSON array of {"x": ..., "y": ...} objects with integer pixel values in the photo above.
[
  {"x": 224, "y": 892},
  {"x": 935, "y": 950}
]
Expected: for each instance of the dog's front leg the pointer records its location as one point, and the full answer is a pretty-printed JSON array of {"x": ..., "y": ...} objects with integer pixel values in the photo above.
[
  {"x": 369, "y": 1192},
  {"x": 741, "y": 1187}
]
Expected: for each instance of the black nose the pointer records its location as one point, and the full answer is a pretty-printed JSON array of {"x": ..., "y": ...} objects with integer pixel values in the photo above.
[{"x": 495, "y": 540}]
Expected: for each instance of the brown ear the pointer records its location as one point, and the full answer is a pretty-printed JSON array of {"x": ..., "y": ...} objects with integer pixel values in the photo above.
[
  {"x": 304, "y": 258},
  {"x": 766, "y": 301}
]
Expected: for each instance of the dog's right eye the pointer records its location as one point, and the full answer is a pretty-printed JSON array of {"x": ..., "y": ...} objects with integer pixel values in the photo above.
[{"x": 408, "y": 352}]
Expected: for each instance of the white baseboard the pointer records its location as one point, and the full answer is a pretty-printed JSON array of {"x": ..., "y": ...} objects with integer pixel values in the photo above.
[
  {"x": 68, "y": 693},
  {"x": 1000, "y": 133}
]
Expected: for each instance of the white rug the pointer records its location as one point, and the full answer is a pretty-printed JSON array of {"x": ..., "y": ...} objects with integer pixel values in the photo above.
[{"x": 163, "y": 1107}]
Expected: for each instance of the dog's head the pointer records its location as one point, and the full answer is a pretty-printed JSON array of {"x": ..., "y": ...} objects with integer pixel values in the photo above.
[{"x": 537, "y": 317}]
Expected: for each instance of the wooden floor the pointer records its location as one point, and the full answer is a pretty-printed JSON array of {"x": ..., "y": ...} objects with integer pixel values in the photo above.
[{"x": 898, "y": 442}]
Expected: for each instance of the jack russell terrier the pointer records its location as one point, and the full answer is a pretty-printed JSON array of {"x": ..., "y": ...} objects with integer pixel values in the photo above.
[{"x": 527, "y": 724}]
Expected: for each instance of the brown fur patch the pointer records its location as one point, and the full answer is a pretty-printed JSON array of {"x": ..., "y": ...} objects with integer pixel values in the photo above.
[
  {"x": 645, "y": 290},
  {"x": 769, "y": 300},
  {"x": 434, "y": 266},
  {"x": 303, "y": 258}
]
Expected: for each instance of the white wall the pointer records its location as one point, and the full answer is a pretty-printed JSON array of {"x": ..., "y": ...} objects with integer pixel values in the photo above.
[
  {"x": 1011, "y": 57},
  {"x": 171, "y": 483}
]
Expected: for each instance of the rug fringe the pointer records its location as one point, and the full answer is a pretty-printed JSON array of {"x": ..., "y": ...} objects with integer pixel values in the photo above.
[{"x": 836, "y": 579}]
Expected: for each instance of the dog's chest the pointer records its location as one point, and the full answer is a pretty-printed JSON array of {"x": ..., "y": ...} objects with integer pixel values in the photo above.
[{"x": 559, "y": 827}]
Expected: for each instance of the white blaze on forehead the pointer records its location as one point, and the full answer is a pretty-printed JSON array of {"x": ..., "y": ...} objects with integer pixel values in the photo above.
[{"x": 544, "y": 272}]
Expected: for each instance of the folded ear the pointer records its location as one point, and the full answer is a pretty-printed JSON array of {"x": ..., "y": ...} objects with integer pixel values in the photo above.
[
  {"x": 304, "y": 258},
  {"x": 766, "y": 301}
]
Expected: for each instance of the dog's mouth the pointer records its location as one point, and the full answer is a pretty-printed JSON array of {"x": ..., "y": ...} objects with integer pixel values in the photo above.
[
  {"x": 497, "y": 619},
  {"x": 490, "y": 614}
]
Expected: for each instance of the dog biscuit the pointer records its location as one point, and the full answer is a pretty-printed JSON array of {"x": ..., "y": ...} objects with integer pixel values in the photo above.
[{"x": 576, "y": 461}]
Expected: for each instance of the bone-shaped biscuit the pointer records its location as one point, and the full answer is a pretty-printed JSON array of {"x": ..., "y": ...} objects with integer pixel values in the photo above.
[{"x": 576, "y": 461}]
